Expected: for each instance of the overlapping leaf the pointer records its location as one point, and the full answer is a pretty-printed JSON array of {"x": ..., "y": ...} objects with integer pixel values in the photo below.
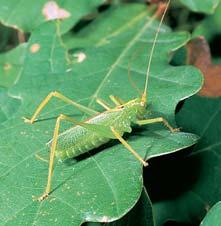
[
  {"x": 206, "y": 6},
  {"x": 27, "y": 15},
  {"x": 202, "y": 189},
  {"x": 213, "y": 216},
  {"x": 205, "y": 29},
  {"x": 100, "y": 186}
]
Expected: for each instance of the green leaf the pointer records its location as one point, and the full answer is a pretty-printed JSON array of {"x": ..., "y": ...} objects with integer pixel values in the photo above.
[
  {"x": 186, "y": 208},
  {"x": 11, "y": 65},
  {"x": 105, "y": 184},
  {"x": 213, "y": 216},
  {"x": 27, "y": 15},
  {"x": 207, "y": 151},
  {"x": 8, "y": 105},
  {"x": 201, "y": 169},
  {"x": 205, "y": 29},
  {"x": 205, "y": 6},
  {"x": 106, "y": 31},
  {"x": 140, "y": 215}
]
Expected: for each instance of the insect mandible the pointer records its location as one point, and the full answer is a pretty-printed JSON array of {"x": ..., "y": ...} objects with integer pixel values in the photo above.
[{"x": 101, "y": 127}]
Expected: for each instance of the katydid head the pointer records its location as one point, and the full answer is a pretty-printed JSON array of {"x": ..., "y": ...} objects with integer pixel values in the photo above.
[{"x": 134, "y": 108}]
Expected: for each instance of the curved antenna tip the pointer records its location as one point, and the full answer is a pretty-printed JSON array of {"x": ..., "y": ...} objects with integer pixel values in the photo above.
[{"x": 159, "y": 11}]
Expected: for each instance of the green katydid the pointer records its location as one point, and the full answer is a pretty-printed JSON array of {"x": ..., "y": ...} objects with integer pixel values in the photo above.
[{"x": 100, "y": 128}]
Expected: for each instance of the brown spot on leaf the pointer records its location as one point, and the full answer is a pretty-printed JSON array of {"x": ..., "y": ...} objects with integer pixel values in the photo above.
[
  {"x": 35, "y": 48},
  {"x": 7, "y": 66},
  {"x": 199, "y": 55},
  {"x": 52, "y": 11}
]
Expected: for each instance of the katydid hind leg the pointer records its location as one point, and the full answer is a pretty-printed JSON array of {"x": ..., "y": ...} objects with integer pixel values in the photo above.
[
  {"x": 52, "y": 153},
  {"x": 99, "y": 129},
  {"x": 51, "y": 161}
]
